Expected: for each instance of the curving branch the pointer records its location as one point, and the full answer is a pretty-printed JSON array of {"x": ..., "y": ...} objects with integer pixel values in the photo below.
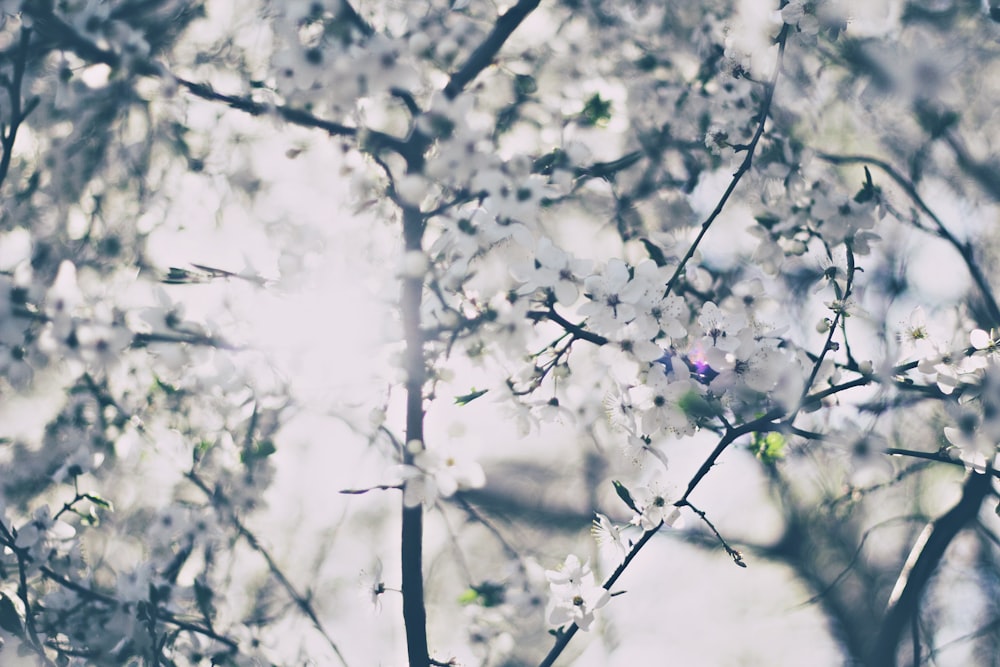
[
  {"x": 18, "y": 112},
  {"x": 744, "y": 167},
  {"x": 301, "y": 601},
  {"x": 484, "y": 54},
  {"x": 964, "y": 249},
  {"x": 904, "y": 602}
]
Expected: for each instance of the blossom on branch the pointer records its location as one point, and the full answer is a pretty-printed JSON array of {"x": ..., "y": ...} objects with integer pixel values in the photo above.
[{"x": 574, "y": 595}]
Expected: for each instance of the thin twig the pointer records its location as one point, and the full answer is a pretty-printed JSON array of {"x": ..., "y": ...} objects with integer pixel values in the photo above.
[
  {"x": 964, "y": 249},
  {"x": 744, "y": 167},
  {"x": 220, "y": 501},
  {"x": 904, "y": 601},
  {"x": 733, "y": 553},
  {"x": 563, "y": 638}
]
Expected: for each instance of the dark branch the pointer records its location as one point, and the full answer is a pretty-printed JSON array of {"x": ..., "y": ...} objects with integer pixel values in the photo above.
[
  {"x": 927, "y": 553},
  {"x": 744, "y": 167},
  {"x": 484, "y": 54},
  {"x": 964, "y": 249}
]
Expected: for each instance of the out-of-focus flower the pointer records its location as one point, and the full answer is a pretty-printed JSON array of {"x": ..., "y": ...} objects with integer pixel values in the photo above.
[{"x": 435, "y": 474}]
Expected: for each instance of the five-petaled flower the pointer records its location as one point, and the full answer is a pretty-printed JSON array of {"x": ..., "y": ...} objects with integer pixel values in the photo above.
[{"x": 575, "y": 596}]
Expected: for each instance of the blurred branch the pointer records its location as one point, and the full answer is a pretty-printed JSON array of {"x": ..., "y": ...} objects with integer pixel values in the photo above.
[
  {"x": 17, "y": 112},
  {"x": 411, "y": 542},
  {"x": 856, "y": 493},
  {"x": 765, "y": 110},
  {"x": 484, "y": 54},
  {"x": 66, "y": 37},
  {"x": 302, "y": 602},
  {"x": 928, "y": 551},
  {"x": 940, "y": 457},
  {"x": 964, "y": 249},
  {"x": 854, "y": 558},
  {"x": 985, "y": 173},
  {"x": 348, "y": 12}
]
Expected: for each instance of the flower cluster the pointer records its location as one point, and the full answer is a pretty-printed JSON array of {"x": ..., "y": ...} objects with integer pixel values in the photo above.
[{"x": 574, "y": 595}]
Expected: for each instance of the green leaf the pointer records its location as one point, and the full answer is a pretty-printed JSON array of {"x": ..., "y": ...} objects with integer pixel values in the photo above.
[
  {"x": 654, "y": 251},
  {"x": 694, "y": 405},
  {"x": 201, "y": 449},
  {"x": 596, "y": 111},
  {"x": 101, "y": 502},
  {"x": 257, "y": 451},
  {"x": 768, "y": 447},
  {"x": 624, "y": 494},
  {"x": 468, "y": 596},
  {"x": 465, "y": 399},
  {"x": 487, "y": 594},
  {"x": 10, "y": 620}
]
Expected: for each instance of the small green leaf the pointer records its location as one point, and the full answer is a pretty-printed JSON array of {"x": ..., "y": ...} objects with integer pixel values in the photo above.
[
  {"x": 654, "y": 251},
  {"x": 203, "y": 598},
  {"x": 490, "y": 594},
  {"x": 487, "y": 594},
  {"x": 100, "y": 502},
  {"x": 596, "y": 111},
  {"x": 768, "y": 447},
  {"x": 465, "y": 399},
  {"x": 201, "y": 449},
  {"x": 694, "y": 405},
  {"x": 257, "y": 451},
  {"x": 10, "y": 620},
  {"x": 624, "y": 494}
]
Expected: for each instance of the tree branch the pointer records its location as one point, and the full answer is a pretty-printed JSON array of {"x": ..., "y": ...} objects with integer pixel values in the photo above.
[
  {"x": 923, "y": 560},
  {"x": 564, "y": 637},
  {"x": 414, "y": 612},
  {"x": 483, "y": 56},
  {"x": 220, "y": 501},
  {"x": 964, "y": 249},
  {"x": 744, "y": 167}
]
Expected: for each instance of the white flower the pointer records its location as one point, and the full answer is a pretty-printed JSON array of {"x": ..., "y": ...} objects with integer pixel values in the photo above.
[
  {"x": 660, "y": 398},
  {"x": 575, "y": 597},
  {"x": 974, "y": 440},
  {"x": 434, "y": 474},
  {"x": 373, "y": 585},
  {"x": 914, "y": 337},
  {"x": 986, "y": 344},
  {"x": 641, "y": 450},
  {"x": 553, "y": 269},
  {"x": 608, "y": 536},
  {"x": 754, "y": 364},
  {"x": 608, "y": 309},
  {"x": 655, "y": 506},
  {"x": 720, "y": 328}
]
